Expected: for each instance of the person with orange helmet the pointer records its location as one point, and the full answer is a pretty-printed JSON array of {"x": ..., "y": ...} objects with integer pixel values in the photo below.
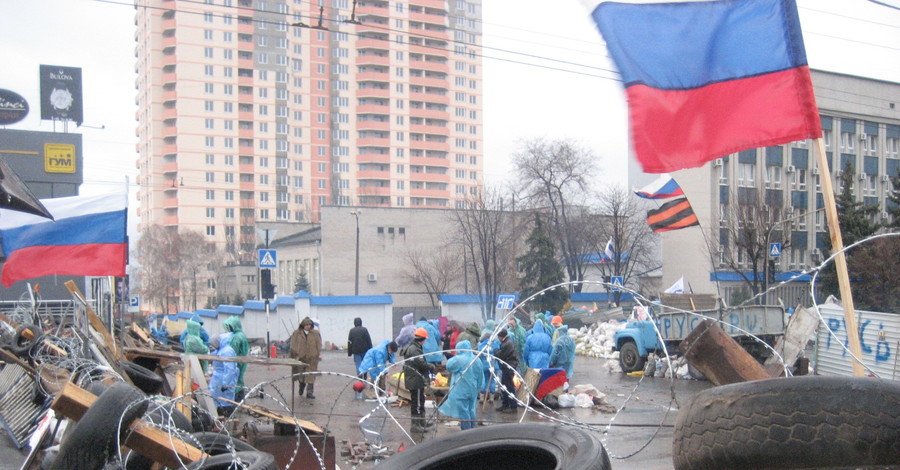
[{"x": 416, "y": 375}]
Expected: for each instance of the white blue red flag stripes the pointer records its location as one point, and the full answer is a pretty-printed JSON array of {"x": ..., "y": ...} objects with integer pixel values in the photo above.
[
  {"x": 88, "y": 238},
  {"x": 662, "y": 187},
  {"x": 707, "y": 79}
]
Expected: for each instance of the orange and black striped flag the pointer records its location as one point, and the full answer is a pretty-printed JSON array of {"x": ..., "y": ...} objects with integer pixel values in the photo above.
[{"x": 673, "y": 215}]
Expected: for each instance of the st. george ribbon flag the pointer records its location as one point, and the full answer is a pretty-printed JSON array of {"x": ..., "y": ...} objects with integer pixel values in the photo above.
[
  {"x": 673, "y": 215},
  {"x": 662, "y": 187},
  {"x": 88, "y": 238},
  {"x": 707, "y": 79}
]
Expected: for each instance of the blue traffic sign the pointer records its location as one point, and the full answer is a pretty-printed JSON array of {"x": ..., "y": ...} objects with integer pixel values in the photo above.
[
  {"x": 134, "y": 301},
  {"x": 617, "y": 283},
  {"x": 506, "y": 301},
  {"x": 774, "y": 250},
  {"x": 268, "y": 259}
]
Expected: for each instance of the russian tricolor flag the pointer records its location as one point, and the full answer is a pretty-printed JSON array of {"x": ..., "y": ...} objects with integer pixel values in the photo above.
[
  {"x": 707, "y": 79},
  {"x": 88, "y": 238},
  {"x": 663, "y": 187}
]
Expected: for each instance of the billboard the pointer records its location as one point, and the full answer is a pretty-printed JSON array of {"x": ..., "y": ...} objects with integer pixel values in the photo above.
[
  {"x": 13, "y": 107},
  {"x": 61, "y": 93}
]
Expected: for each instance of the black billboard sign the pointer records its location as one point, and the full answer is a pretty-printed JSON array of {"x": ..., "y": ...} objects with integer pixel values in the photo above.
[
  {"x": 61, "y": 93},
  {"x": 13, "y": 107}
]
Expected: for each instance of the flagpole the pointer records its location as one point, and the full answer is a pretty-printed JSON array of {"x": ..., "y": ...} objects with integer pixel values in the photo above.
[{"x": 840, "y": 261}]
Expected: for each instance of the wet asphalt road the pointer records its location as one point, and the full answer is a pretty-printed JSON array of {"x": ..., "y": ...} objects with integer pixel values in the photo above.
[{"x": 638, "y": 437}]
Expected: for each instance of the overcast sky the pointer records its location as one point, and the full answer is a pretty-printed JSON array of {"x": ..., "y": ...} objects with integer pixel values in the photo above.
[{"x": 547, "y": 73}]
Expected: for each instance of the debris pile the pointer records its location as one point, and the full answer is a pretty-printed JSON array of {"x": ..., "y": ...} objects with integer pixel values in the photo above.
[{"x": 355, "y": 453}]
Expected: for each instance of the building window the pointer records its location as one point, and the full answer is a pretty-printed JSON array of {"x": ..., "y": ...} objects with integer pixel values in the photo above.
[
  {"x": 747, "y": 174},
  {"x": 210, "y": 212},
  {"x": 210, "y": 177},
  {"x": 211, "y": 230},
  {"x": 210, "y": 195}
]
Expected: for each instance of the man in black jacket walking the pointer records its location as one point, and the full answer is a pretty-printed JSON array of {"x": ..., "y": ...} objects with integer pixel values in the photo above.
[
  {"x": 358, "y": 342},
  {"x": 507, "y": 354}
]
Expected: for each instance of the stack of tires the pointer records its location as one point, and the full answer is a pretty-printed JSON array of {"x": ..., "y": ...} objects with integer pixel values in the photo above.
[{"x": 791, "y": 423}]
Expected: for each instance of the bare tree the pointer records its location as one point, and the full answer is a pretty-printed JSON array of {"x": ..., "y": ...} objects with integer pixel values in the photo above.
[
  {"x": 556, "y": 176},
  {"x": 438, "y": 270},
  {"x": 746, "y": 228},
  {"x": 172, "y": 264},
  {"x": 621, "y": 219},
  {"x": 487, "y": 233}
]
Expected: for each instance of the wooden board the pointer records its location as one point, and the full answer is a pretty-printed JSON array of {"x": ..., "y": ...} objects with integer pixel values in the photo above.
[
  {"x": 152, "y": 442},
  {"x": 719, "y": 357},
  {"x": 307, "y": 425}
]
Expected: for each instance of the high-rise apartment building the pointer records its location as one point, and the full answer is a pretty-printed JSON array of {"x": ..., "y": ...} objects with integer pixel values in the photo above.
[{"x": 256, "y": 111}]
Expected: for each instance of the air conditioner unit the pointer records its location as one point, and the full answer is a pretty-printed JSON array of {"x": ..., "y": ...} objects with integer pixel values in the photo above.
[
  {"x": 717, "y": 162},
  {"x": 815, "y": 171},
  {"x": 885, "y": 178},
  {"x": 863, "y": 136},
  {"x": 372, "y": 277},
  {"x": 861, "y": 176},
  {"x": 838, "y": 173},
  {"x": 817, "y": 255},
  {"x": 884, "y": 215},
  {"x": 791, "y": 169}
]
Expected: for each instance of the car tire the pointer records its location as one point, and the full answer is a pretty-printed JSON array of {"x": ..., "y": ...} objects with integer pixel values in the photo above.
[
  {"x": 145, "y": 379},
  {"x": 506, "y": 446},
  {"x": 94, "y": 438},
  {"x": 215, "y": 443},
  {"x": 629, "y": 358},
  {"x": 249, "y": 460},
  {"x": 20, "y": 345},
  {"x": 791, "y": 423}
]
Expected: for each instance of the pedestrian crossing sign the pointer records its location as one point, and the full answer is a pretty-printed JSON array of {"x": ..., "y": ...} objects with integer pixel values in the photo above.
[
  {"x": 268, "y": 259},
  {"x": 774, "y": 250}
]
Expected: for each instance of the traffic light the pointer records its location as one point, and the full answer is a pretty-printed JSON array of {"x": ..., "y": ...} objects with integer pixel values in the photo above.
[
  {"x": 771, "y": 272},
  {"x": 268, "y": 290}
]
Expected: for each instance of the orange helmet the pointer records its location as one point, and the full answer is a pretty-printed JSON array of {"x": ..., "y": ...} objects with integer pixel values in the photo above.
[
  {"x": 421, "y": 333},
  {"x": 557, "y": 320}
]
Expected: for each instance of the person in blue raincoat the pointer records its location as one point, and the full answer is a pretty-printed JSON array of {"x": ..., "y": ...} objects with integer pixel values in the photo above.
[
  {"x": 377, "y": 359},
  {"x": 223, "y": 382},
  {"x": 489, "y": 386},
  {"x": 203, "y": 334},
  {"x": 538, "y": 346},
  {"x": 432, "y": 343},
  {"x": 466, "y": 381},
  {"x": 563, "y": 354},
  {"x": 406, "y": 332}
]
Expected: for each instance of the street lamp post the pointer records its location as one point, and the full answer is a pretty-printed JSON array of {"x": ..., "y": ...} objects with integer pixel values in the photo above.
[{"x": 355, "y": 214}]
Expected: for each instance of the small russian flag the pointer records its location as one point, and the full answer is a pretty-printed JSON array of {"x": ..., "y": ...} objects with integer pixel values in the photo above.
[{"x": 663, "y": 187}]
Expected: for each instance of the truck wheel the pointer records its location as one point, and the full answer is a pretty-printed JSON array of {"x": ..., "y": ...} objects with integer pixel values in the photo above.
[
  {"x": 528, "y": 445},
  {"x": 790, "y": 423},
  {"x": 629, "y": 357}
]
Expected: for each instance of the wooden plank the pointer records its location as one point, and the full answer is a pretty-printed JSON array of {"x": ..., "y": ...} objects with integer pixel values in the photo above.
[
  {"x": 141, "y": 333},
  {"x": 152, "y": 442},
  {"x": 142, "y": 352},
  {"x": 797, "y": 333},
  {"x": 94, "y": 320},
  {"x": 719, "y": 357},
  {"x": 840, "y": 260},
  {"x": 27, "y": 334},
  {"x": 204, "y": 399},
  {"x": 307, "y": 425},
  {"x": 182, "y": 389}
]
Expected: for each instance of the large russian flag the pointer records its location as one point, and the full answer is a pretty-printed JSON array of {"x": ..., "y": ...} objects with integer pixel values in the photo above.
[
  {"x": 707, "y": 79},
  {"x": 88, "y": 238}
]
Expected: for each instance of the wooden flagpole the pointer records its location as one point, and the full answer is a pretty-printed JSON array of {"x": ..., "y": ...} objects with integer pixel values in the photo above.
[{"x": 840, "y": 261}]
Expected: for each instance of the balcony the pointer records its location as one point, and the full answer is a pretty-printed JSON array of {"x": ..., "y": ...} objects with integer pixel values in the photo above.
[
  {"x": 373, "y": 77},
  {"x": 169, "y": 113},
  {"x": 169, "y": 41},
  {"x": 372, "y": 59},
  {"x": 430, "y": 113},
  {"x": 373, "y": 92},
  {"x": 373, "y": 43},
  {"x": 373, "y": 174},
  {"x": 430, "y": 98},
  {"x": 170, "y": 220},
  {"x": 429, "y": 193},
  {"x": 373, "y": 125},
  {"x": 373, "y": 109},
  {"x": 425, "y": 145},
  {"x": 170, "y": 167},
  {"x": 383, "y": 142}
]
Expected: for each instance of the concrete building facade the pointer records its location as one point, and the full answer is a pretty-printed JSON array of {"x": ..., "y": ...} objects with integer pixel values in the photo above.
[
  {"x": 258, "y": 111},
  {"x": 861, "y": 122}
]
